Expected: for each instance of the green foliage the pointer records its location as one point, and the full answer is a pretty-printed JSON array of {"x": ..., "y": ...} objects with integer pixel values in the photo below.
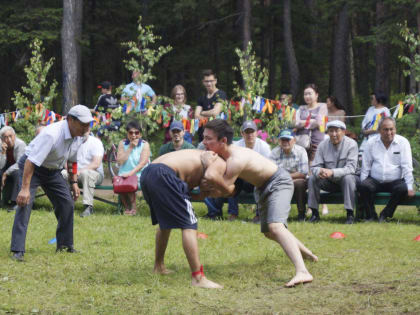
[
  {"x": 255, "y": 80},
  {"x": 143, "y": 57},
  {"x": 413, "y": 42},
  {"x": 36, "y": 96}
]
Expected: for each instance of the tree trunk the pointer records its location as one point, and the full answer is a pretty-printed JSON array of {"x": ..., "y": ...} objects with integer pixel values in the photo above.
[
  {"x": 340, "y": 67},
  {"x": 71, "y": 53},
  {"x": 289, "y": 49},
  {"x": 310, "y": 71},
  {"x": 381, "y": 54},
  {"x": 246, "y": 23}
]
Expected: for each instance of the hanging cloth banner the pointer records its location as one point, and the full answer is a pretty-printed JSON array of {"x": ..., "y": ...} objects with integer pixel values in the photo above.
[
  {"x": 323, "y": 125},
  {"x": 257, "y": 103},
  {"x": 2, "y": 121},
  {"x": 376, "y": 122}
]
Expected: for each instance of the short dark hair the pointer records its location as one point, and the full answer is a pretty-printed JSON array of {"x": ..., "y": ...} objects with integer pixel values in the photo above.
[
  {"x": 221, "y": 128},
  {"x": 380, "y": 98},
  {"x": 133, "y": 124},
  {"x": 208, "y": 72}
]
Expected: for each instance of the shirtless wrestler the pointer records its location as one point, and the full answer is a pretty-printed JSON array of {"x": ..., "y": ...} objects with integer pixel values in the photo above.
[
  {"x": 166, "y": 184},
  {"x": 274, "y": 191}
]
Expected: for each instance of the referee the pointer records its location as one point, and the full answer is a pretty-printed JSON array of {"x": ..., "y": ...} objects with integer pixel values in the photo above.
[{"x": 41, "y": 165}]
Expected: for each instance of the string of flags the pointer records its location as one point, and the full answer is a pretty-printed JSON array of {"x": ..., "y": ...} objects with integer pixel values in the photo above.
[{"x": 259, "y": 105}]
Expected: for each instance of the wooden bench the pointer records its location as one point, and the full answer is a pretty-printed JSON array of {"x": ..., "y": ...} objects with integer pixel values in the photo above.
[{"x": 327, "y": 198}]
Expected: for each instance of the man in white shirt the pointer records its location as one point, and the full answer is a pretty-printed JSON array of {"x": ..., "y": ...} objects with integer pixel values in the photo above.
[
  {"x": 249, "y": 140},
  {"x": 89, "y": 170},
  {"x": 41, "y": 165},
  {"x": 386, "y": 167}
]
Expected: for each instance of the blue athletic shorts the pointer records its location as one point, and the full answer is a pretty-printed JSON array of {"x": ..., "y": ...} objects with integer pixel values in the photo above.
[{"x": 168, "y": 198}]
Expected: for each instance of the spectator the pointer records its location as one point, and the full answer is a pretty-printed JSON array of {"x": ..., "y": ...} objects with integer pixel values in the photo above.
[
  {"x": 316, "y": 111},
  {"x": 106, "y": 100},
  {"x": 335, "y": 110},
  {"x": 135, "y": 91},
  {"x": 132, "y": 156},
  {"x": 387, "y": 167},
  {"x": 249, "y": 140},
  {"x": 180, "y": 110},
  {"x": 209, "y": 105},
  {"x": 89, "y": 170},
  {"x": 287, "y": 99},
  {"x": 334, "y": 169},
  {"x": 176, "y": 132},
  {"x": 41, "y": 165},
  {"x": 377, "y": 107},
  {"x": 294, "y": 159},
  {"x": 12, "y": 149}
]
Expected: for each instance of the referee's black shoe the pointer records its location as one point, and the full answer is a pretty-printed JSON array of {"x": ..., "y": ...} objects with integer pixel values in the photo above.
[{"x": 68, "y": 249}]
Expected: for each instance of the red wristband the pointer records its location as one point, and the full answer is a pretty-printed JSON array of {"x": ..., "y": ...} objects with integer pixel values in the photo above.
[
  {"x": 74, "y": 168},
  {"x": 200, "y": 272}
]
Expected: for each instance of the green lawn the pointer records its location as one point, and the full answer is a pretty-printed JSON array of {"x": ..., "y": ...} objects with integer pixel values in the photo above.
[{"x": 376, "y": 269}]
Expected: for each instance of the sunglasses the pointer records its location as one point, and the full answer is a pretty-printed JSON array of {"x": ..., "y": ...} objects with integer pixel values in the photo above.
[{"x": 134, "y": 133}]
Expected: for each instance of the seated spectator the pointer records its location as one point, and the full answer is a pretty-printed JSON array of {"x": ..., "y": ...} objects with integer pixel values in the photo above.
[
  {"x": 294, "y": 159},
  {"x": 249, "y": 139},
  {"x": 333, "y": 169},
  {"x": 176, "y": 132},
  {"x": 12, "y": 148},
  {"x": 132, "y": 156},
  {"x": 89, "y": 170},
  {"x": 179, "y": 110},
  {"x": 387, "y": 167}
]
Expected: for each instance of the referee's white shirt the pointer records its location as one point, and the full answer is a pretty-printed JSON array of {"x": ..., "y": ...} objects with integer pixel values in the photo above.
[{"x": 53, "y": 146}]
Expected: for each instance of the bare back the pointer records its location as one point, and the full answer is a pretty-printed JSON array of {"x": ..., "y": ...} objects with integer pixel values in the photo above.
[
  {"x": 249, "y": 165},
  {"x": 187, "y": 164}
]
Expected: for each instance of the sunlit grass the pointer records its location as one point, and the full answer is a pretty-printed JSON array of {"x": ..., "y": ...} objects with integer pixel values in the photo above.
[{"x": 375, "y": 269}]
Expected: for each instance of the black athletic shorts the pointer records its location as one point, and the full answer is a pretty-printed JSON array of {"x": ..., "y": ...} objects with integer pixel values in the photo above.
[{"x": 168, "y": 198}]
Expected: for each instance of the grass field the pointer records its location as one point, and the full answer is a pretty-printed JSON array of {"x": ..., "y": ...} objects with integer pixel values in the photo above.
[{"x": 375, "y": 269}]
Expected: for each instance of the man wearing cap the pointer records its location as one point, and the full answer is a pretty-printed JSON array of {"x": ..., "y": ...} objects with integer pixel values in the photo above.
[
  {"x": 106, "y": 100},
  {"x": 294, "y": 159},
  {"x": 176, "y": 131},
  {"x": 387, "y": 167},
  {"x": 334, "y": 169},
  {"x": 41, "y": 165},
  {"x": 135, "y": 91},
  {"x": 249, "y": 140}
]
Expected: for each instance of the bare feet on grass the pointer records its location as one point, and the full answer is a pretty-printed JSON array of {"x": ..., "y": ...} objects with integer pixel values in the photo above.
[
  {"x": 301, "y": 277},
  {"x": 162, "y": 270},
  {"x": 203, "y": 282},
  {"x": 309, "y": 256}
]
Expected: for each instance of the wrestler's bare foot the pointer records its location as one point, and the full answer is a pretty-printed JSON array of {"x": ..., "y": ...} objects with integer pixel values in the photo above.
[
  {"x": 203, "y": 282},
  {"x": 162, "y": 270},
  {"x": 301, "y": 277},
  {"x": 309, "y": 256}
]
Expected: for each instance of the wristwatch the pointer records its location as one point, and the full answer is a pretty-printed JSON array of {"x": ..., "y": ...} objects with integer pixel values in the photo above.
[{"x": 73, "y": 182}]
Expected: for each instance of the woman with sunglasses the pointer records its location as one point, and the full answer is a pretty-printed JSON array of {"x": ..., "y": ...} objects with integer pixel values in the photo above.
[{"x": 133, "y": 156}]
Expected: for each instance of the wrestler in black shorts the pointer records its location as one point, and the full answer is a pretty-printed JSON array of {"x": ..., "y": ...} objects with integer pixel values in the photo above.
[{"x": 168, "y": 198}]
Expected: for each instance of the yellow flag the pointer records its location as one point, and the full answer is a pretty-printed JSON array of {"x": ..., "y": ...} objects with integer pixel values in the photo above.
[
  {"x": 287, "y": 113},
  {"x": 375, "y": 124},
  {"x": 400, "y": 109}
]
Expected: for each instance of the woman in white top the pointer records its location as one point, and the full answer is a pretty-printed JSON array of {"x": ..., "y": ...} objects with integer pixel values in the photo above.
[
  {"x": 378, "y": 107},
  {"x": 179, "y": 110}
]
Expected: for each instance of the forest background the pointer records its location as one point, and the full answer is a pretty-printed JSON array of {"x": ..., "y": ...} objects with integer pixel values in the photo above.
[{"x": 348, "y": 48}]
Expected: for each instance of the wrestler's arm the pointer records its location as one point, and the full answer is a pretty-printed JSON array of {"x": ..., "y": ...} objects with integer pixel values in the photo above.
[{"x": 224, "y": 182}]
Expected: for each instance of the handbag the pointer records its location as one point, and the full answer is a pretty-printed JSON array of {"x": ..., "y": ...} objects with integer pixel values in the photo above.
[
  {"x": 125, "y": 185},
  {"x": 304, "y": 140}
]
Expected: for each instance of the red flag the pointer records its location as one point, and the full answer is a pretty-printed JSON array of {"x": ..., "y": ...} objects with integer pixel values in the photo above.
[
  {"x": 411, "y": 108},
  {"x": 308, "y": 121}
]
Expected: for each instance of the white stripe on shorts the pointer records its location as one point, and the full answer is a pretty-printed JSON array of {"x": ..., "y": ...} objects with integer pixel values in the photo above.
[{"x": 190, "y": 210}]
